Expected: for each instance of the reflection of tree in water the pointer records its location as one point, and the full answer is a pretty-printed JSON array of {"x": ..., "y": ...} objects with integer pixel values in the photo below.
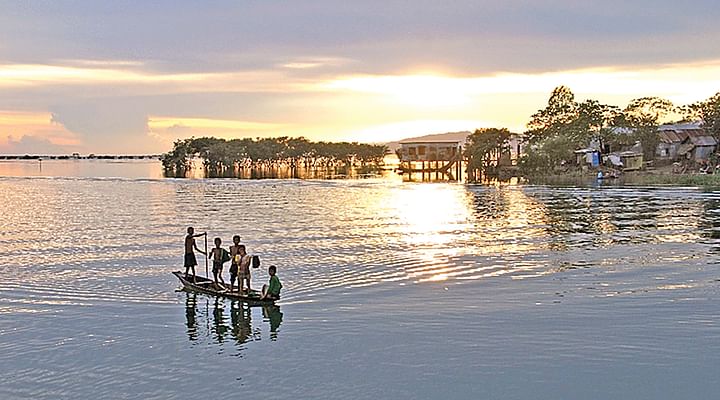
[
  {"x": 489, "y": 204},
  {"x": 218, "y": 326},
  {"x": 600, "y": 218},
  {"x": 582, "y": 217},
  {"x": 587, "y": 217},
  {"x": 711, "y": 223}
]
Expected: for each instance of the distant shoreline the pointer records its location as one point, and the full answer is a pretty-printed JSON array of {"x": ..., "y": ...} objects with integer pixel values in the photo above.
[
  {"x": 661, "y": 177},
  {"x": 79, "y": 157},
  {"x": 655, "y": 177}
]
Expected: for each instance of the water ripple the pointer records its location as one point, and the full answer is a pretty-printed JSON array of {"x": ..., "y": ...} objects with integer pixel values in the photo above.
[{"x": 98, "y": 253}]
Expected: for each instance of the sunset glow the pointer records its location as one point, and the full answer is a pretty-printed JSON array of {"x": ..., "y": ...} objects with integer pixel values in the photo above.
[
  {"x": 446, "y": 69},
  {"x": 367, "y": 108},
  {"x": 163, "y": 123},
  {"x": 17, "y": 127}
]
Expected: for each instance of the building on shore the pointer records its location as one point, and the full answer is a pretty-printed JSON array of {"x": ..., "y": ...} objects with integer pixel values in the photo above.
[
  {"x": 588, "y": 157},
  {"x": 669, "y": 144},
  {"x": 442, "y": 156},
  {"x": 685, "y": 141},
  {"x": 628, "y": 160},
  {"x": 427, "y": 157},
  {"x": 516, "y": 148}
]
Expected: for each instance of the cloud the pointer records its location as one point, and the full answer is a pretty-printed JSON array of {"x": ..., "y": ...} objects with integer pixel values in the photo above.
[
  {"x": 35, "y": 132},
  {"x": 131, "y": 76},
  {"x": 109, "y": 125},
  {"x": 689, "y": 82},
  {"x": 476, "y": 36},
  {"x": 29, "y": 144},
  {"x": 178, "y": 127},
  {"x": 176, "y": 130},
  {"x": 122, "y": 81}
]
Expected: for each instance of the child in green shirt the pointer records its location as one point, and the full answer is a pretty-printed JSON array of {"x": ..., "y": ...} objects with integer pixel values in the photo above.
[{"x": 272, "y": 289}]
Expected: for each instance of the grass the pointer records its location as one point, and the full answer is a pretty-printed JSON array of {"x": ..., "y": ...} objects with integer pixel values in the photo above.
[
  {"x": 703, "y": 180},
  {"x": 640, "y": 178}
]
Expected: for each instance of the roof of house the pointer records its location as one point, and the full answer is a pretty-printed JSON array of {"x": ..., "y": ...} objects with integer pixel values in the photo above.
[
  {"x": 685, "y": 148},
  {"x": 628, "y": 153},
  {"x": 683, "y": 126},
  {"x": 669, "y": 137},
  {"x": 585, "y": 151},
  {"x": 432, "y": 141},
  {"x": 703, "y": 140},
  {"x": 622, "y": 130}
]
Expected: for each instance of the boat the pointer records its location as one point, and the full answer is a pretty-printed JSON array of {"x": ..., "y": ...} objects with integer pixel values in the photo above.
[{"x": 201, "y": 284}]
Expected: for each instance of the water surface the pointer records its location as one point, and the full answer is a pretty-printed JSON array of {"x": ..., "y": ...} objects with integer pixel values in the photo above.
[{"x": 391, "y": 290}]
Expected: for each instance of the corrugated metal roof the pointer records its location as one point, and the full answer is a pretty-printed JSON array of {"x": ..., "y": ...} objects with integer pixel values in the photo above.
[
  {"x": 695, "y": 132},
  {"x": 685, "y": 148},
  {"x": 685, "y": 131},
  {"x": 628, "y": 153},
  {"x": 703, "y": 140},
  {"x": 669, "y": 137},
  {"x": 431, "y": 141},
  {"x": 681, "y": 126}
]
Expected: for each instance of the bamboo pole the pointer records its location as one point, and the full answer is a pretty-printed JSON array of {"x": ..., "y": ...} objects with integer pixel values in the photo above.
[{"x": 207, "y": 272}]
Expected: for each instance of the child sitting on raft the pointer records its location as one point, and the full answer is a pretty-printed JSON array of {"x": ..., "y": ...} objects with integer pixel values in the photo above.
[{"x": 272, "y": 289}]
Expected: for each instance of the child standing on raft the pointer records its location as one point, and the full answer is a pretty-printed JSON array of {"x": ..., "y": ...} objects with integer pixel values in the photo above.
[
  {"x": 235, "y": 262},
  {"x": 243, "y": 268},
  {"x": 219, "y": 257},
  {"x": 190, "y": 246}
]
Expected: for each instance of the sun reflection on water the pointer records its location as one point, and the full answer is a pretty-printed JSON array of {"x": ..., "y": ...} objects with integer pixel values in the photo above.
[
  {"x": 431, "y": 214},
  {"x": 445, "y": 223}
]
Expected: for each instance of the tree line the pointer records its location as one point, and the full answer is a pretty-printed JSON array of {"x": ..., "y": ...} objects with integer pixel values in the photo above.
[
  {"x": 565, "y": 125},
  {"x": 219, "y": 155}
]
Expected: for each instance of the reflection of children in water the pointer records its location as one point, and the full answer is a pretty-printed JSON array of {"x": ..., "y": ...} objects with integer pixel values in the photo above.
[
  {"x": 272, "y": 313},
  {"x": 219, "y": 326},
  {"x": 240, "y": 317},
  {"x": 190, "y": 304},
  {"x": 240, "y": 324}
]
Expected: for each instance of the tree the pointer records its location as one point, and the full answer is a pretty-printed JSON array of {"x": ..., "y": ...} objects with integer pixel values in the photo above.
[
  {"x": 221, "y": 157},
  {"x": 542, "y": 157},
  {"x": 484, "y": 149},
  {"x": 594, "y": 120},
  {"x": 643, "y": 116},
  {"x": 554, "y": 118},
  {"x": 565, "y": 125},
  {"x": 708, "y": 112},
  {"x": 176, "y": 161},
  {"x": 578, "y": 122},
  {"x": 648, "y": 111}
]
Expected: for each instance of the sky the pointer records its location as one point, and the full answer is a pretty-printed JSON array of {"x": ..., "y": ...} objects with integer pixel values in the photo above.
[{"x": 130, "y": 77}]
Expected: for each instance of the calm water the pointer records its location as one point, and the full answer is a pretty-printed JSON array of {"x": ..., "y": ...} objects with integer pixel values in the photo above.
[{"x": 391, "y": 290}]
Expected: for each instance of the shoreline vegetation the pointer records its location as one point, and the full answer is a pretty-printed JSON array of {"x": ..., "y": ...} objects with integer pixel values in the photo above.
[
  {"x": 635, "y": 178},
  {"x": 547, "y": 152},
  {"x": 565, "y": 127},
  {"x": 280, "y": 157}
]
